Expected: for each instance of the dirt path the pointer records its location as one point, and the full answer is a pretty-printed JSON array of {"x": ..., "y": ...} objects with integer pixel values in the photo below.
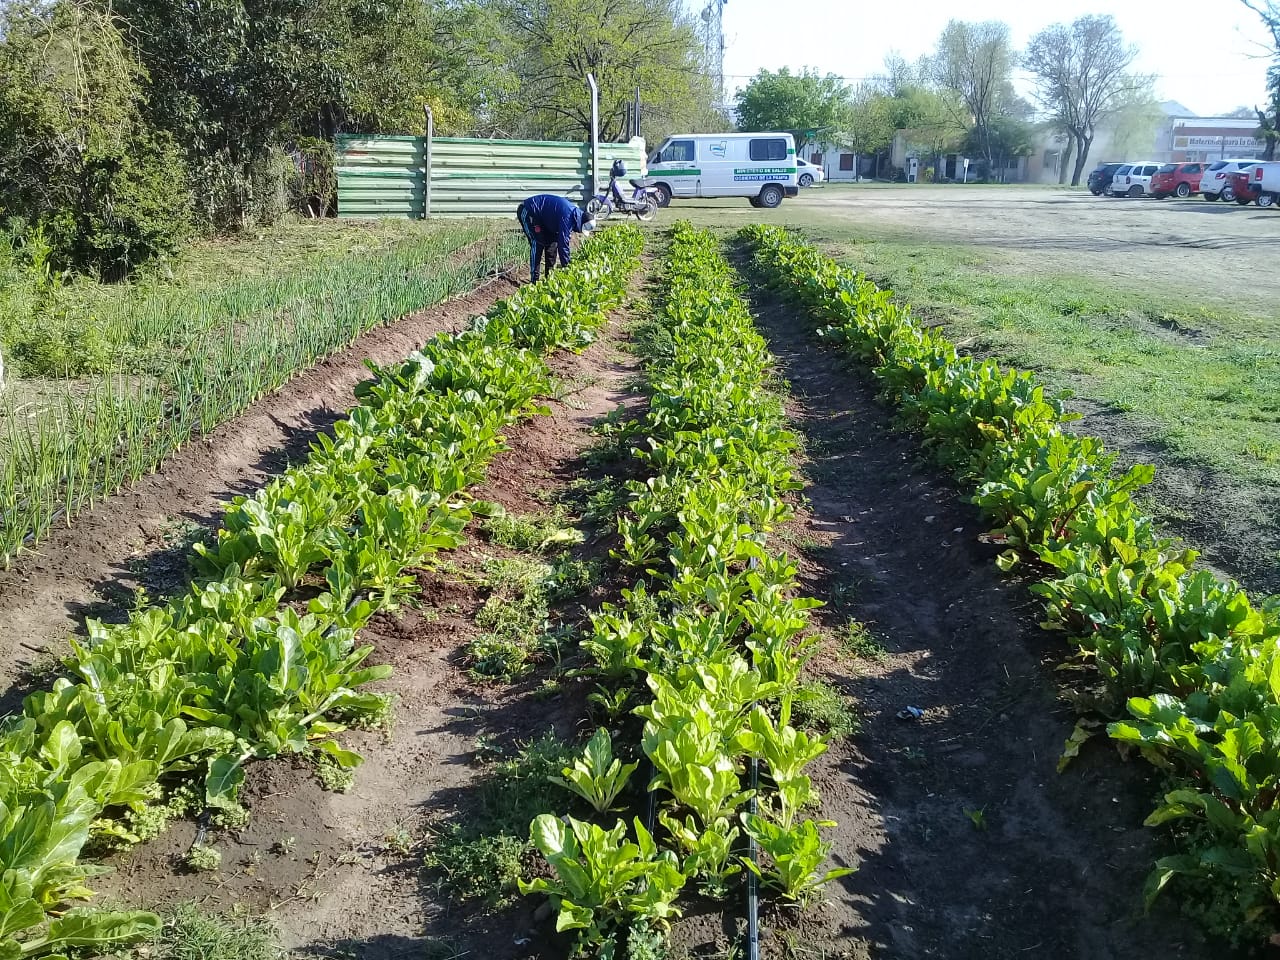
[
  {"x": 49, "y": 591},
  {"x": 1054, "y": 865},
  {"x": 341, "y": 873}
]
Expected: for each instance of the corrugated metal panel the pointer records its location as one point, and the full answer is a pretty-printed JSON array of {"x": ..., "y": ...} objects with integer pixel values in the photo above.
[{"x": 383, "y": 176}]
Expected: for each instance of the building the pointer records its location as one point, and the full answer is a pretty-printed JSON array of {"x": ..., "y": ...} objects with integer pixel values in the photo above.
[{"x": 840, "y": 164}]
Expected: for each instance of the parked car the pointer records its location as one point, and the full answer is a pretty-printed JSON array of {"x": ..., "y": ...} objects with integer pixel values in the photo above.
[
  {"x": 1266, "y": 180},
  {"x": 1240, "y": 186},
  {"x": 807, "y": 174},
  {"x": 1100, "y": 179},
  {"x": 1134, "y": 180},
  {"x": 1177, "y": 180},
  {"x": 1215, "y": 182}
]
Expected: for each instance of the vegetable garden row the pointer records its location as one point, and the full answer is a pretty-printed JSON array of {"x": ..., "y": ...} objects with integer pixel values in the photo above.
[
  {"x": 243, "y": 666},
  {"x": 715, "y": 630},
  {"x": 1193, "y": 662}
]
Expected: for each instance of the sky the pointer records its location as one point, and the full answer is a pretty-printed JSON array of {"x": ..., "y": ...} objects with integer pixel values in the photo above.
[{"x": 1209, "y": 55}]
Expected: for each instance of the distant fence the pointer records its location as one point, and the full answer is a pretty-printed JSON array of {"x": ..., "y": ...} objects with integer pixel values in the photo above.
[{"x": 388, "y": 176}]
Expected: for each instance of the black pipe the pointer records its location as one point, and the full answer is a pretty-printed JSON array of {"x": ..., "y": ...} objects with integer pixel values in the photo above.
[{"x": 753, "y": 888}]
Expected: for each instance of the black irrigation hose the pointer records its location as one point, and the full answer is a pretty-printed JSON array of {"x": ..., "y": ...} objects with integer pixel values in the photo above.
[{"x": 753, "y": 883}]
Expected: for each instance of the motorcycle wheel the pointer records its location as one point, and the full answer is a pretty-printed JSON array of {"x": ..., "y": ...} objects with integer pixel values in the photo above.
[{"x": 647, "y": 209}]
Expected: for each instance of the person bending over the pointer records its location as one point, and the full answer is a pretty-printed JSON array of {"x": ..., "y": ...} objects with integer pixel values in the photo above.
[{"x": 548, "y": 221}]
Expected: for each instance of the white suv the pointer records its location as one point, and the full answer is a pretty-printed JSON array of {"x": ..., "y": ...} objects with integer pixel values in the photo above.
[
  {"x": 1217, "y": 178},
  {"x": 1134, "y": 179}
]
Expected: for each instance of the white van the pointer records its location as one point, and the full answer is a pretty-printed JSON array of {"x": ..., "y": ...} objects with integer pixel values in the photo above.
[{"x": 758, "y": 166}]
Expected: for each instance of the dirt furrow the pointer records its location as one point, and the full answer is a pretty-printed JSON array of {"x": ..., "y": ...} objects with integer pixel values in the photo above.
[{"x": 968, "y": 842}]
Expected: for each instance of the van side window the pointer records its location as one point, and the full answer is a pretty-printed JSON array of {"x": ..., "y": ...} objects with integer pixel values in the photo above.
[
  {"x": 771, "y": 149},
  {"x": 677, "y": 151}
]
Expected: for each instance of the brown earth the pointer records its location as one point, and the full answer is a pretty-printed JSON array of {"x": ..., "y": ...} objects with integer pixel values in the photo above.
[
  {"x": 1054, "y": 868},
  {"x": 341, "y": 873},
  {"x": 118, "y": 546}
]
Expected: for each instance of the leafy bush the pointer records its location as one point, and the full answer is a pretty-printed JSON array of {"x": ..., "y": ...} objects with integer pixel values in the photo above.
[{"x": 75, "y": 152}]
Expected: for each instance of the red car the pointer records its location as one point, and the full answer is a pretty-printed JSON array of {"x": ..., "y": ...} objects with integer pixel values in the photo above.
[
  {"x": 1177, "y": 179},
  {"x": 1244, "y": 188}
]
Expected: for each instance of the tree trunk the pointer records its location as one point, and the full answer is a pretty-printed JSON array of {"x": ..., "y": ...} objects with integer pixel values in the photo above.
[
  {"x": 1082, "y": 158},
  {"x": 1065, "y": 160}
]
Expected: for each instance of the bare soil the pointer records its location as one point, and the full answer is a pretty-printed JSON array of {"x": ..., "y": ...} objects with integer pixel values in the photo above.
[
  {"x": 86, "y": 569},
  {"x": 341, "y": 872},
  {"x": 1056, "y": 863}
]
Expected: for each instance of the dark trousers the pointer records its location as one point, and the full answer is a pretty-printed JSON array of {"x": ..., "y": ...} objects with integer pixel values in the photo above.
[{"x": 538, "y": 249}]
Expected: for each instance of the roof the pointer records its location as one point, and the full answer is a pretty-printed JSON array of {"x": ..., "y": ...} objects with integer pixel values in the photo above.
[{"x": 1172, "y": 108}]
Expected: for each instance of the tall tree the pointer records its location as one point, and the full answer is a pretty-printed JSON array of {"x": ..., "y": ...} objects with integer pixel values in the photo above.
[
  {"x": 794, "y": 103},
  {"x": 551, "y": 46},
  {"x": 1269, "y": 115},
  {"x": 867, "y": 124},
  {"x": 976, "y": 60},
  {"x": 1083, "y": 77}
]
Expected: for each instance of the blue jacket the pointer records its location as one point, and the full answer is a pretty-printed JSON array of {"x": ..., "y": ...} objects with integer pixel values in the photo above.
[{"x": 556, "y": 218}]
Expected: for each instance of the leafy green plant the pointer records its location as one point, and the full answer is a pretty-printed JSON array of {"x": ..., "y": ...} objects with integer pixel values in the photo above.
[
  {"x": 203, "y": 858},
  {"x": 796, "y": 854},
  {"x": 603, "y": 881},
  {"x": 597, "y": 776}
]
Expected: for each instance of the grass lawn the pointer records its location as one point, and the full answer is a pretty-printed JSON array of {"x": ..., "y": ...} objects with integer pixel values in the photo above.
[{"x": 1188, "y": 384}]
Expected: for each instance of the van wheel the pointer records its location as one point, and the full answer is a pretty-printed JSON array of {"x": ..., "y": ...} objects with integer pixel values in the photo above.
[
  {"x": 662, "y": 193},
  {"x": 771, "y": 196},
  {"x": 1183, "y": 191}
]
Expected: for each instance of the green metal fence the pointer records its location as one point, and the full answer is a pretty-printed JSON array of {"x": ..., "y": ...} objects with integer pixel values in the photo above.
[{"x": 387, "y": 176}]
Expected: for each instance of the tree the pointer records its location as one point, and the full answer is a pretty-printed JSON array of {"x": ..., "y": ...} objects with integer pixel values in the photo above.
[
  {"x": 551, "y": 45},
  {"x": 1082, "y": 78},
  {"x": 866, "y": 125},
  {"x": 794, "y": 103},
  {"x": 975, "y": 60},
  {"x": 1269, "y": 115},
  {"x": 77, "y": 159}
]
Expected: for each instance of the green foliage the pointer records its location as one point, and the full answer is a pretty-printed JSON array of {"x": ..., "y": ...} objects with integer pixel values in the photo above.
[
  {"x": 1194, "y": 662},
  {"x": 819, "y": 706},
  {"x": 603, "y": 881},
  {"x": 542, "y": 49},
  {"x": 795, "y": 103},
  {"x": 203, "y": 858},
  {"x": 189, "y": 934},
  {"x": 75, "y": 152},
  {"x": 533, "y": 533},
  {"x": 597, "y": 776},
  {"x": 796, "y": 853}
]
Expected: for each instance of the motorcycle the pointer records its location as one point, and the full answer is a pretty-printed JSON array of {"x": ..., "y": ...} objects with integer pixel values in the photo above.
[{"x": 643, "y": 202}]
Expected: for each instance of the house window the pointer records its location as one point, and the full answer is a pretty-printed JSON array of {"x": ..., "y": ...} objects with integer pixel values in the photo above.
[
  {"x": 846, "y": 161},
  {"x": 760, "y": 150},
  {"x": 815, "y": 159}
]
